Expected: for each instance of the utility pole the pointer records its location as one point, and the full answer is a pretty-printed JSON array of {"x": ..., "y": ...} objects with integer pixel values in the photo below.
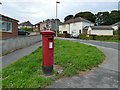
[{"x": 56, "y": 18}]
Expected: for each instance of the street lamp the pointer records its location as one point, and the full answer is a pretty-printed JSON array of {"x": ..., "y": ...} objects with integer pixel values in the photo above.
[{"x": 56, "y": 17}]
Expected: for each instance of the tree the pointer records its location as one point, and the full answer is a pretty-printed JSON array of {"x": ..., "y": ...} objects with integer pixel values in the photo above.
[
  {"x": 57, "y": 19},
  {"x": 102, "y": 18},
  {"x": 106, "y": 18},
  {"x": 86, "y": 15},
  {"x": 68, "y": 17},
  {"x": 115, "y": 16}
]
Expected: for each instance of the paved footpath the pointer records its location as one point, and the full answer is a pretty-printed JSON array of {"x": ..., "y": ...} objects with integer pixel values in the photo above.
[
  {"x": 105, "y": 76},
  {"x": 12, "y": 57}
]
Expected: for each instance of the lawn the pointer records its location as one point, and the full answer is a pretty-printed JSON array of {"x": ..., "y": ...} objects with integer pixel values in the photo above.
[{"x": 73, "y": 56}]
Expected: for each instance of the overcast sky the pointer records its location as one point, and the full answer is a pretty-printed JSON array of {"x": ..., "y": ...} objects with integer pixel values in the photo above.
[{"x": 39, "y": 10}]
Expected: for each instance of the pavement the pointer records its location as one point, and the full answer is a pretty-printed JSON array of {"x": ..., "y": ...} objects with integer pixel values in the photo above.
[
  {"x": 105, "y": 76},
  {"x": 12, "y": 57}
]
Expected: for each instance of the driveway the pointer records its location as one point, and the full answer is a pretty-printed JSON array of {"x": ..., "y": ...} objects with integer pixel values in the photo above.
[{"x": 105, "y": 76}]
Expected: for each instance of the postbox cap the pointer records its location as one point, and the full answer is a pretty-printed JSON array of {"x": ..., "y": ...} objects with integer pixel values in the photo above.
[{"x": 47, "y": 32}]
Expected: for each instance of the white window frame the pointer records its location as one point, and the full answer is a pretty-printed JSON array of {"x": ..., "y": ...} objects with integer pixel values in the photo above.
[{"x": 6, "y": 26}]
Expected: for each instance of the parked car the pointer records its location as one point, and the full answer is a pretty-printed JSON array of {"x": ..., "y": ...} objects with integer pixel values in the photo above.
[
  {"x": 22, "y": 32},
  {"x": 76, "y": 35}
]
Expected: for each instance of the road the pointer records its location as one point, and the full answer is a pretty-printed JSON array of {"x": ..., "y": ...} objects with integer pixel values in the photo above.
[{"x": 105, "y": 76}]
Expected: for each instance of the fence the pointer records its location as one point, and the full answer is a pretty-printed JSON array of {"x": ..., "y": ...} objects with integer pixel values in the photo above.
[{"x": 12, "y": 44}]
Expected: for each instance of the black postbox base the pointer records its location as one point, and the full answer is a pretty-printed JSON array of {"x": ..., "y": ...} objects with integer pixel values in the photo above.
[{"x": 47, "y": 69}]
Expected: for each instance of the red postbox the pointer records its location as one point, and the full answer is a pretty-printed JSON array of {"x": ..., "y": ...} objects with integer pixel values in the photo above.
[{"x": 47, "y": 51}]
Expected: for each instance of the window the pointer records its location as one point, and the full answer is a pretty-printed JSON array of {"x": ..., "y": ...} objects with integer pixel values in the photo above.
[
  {"x": 36, "y": 25},
  {"x": 6, "y": 26},
  {"x": 64, "y": 26}
]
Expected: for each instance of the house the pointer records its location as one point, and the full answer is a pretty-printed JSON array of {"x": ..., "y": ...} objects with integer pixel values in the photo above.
[
  {"x": 25, "y": 25},
  {"x": 116, "y": 26},
  {"x": 49, "y": 24},
  {"x": 100, "y": 30},
  {"x": 9, "y": 26},
  {"x": 36, "y": 27},
  {"x": 75, "y": 25}
]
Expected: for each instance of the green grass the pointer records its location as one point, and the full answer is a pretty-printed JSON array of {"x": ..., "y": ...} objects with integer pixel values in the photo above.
[
  {"x": 110, "y": 40},
  {"x": 25, "y": 73}
]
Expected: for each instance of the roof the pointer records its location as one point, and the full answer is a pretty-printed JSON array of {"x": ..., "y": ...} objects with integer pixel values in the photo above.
[
  {"x": 47, "y": 21},
  {"x": 102, "y": 27},
  {"x": 78, "y": 19},
  {"x": 8, "y": 18},
  {"x": 86, "y": 27},
  {"x": 26, "y": 23},
  {"x": 47, "y": 32},
  {"x": 118, "y": 23}
]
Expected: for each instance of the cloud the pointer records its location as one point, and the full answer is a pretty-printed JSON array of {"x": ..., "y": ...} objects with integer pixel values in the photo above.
[{"x": 39, "y": 10}]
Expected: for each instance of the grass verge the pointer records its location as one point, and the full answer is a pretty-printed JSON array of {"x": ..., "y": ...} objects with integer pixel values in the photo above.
[{"x": 73, "y": 56}]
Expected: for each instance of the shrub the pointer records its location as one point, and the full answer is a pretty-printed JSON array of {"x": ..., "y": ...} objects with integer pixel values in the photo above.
[
  {"x": 61, "y": 35},
  {"x": 106, "y": 37},
  {"x": 99, "y": 37},
  {"x": 117, "y": 32},
  {"x": 86, "y": 37},
  {"x": 68, "y": 36},
  {"x": 26, "y": 29}
]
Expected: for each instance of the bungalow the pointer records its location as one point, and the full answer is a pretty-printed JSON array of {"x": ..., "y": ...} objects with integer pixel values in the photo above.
[
  {"x": 75, "y": 25},
  {"x": 36, "y": 27},
  {"x": 99, "y": 30},
  {"x": 8, "y": 27},
  {"x": 25, "y": 25}
]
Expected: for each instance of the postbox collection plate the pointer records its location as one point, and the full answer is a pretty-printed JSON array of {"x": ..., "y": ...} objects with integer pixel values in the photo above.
[{"x": 50, "y": 44}]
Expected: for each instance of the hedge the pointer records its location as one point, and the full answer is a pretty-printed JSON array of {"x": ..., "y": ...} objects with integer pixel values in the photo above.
[
  {"x": 99, "y": 37},
  {"x": 64, "y": 35},
  {"x": 106, "y": 37},
  {"x": 86, "y": 37},
  {"x": 61, "y": 35},
  {"x": 26, "y": 29},
  {"x": 92, "y": 37}
]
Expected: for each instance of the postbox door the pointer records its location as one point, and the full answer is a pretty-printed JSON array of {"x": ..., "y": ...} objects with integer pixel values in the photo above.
[{"x": 50, "y": 42}]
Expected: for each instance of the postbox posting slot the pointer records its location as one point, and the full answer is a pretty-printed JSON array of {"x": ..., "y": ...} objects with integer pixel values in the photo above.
[{"x": 50, "y": 38}]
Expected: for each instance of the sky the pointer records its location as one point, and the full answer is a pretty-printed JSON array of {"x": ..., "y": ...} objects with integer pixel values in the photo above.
[{"x": 39, "y": 10}]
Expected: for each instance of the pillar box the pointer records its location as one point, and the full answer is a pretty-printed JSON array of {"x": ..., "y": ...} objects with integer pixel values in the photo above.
[{"x": 47, "y": 51}]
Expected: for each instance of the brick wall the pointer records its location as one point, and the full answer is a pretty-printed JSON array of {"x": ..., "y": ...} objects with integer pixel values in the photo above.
[{"x": 14, "y": 32}]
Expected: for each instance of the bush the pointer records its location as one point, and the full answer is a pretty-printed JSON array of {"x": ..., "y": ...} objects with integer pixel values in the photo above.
[
  {"x": 26, "y": 29},
  {"x": 106, "y": 37},
  {"x": 117, "y": 32},
  {"x": 61, "y": 35},
  {"x": 99, "y": 37},
  {"x": 67, "y": 35},
  {"x": 86, "y": 37},
  {"x": 64, "y": 35}
]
